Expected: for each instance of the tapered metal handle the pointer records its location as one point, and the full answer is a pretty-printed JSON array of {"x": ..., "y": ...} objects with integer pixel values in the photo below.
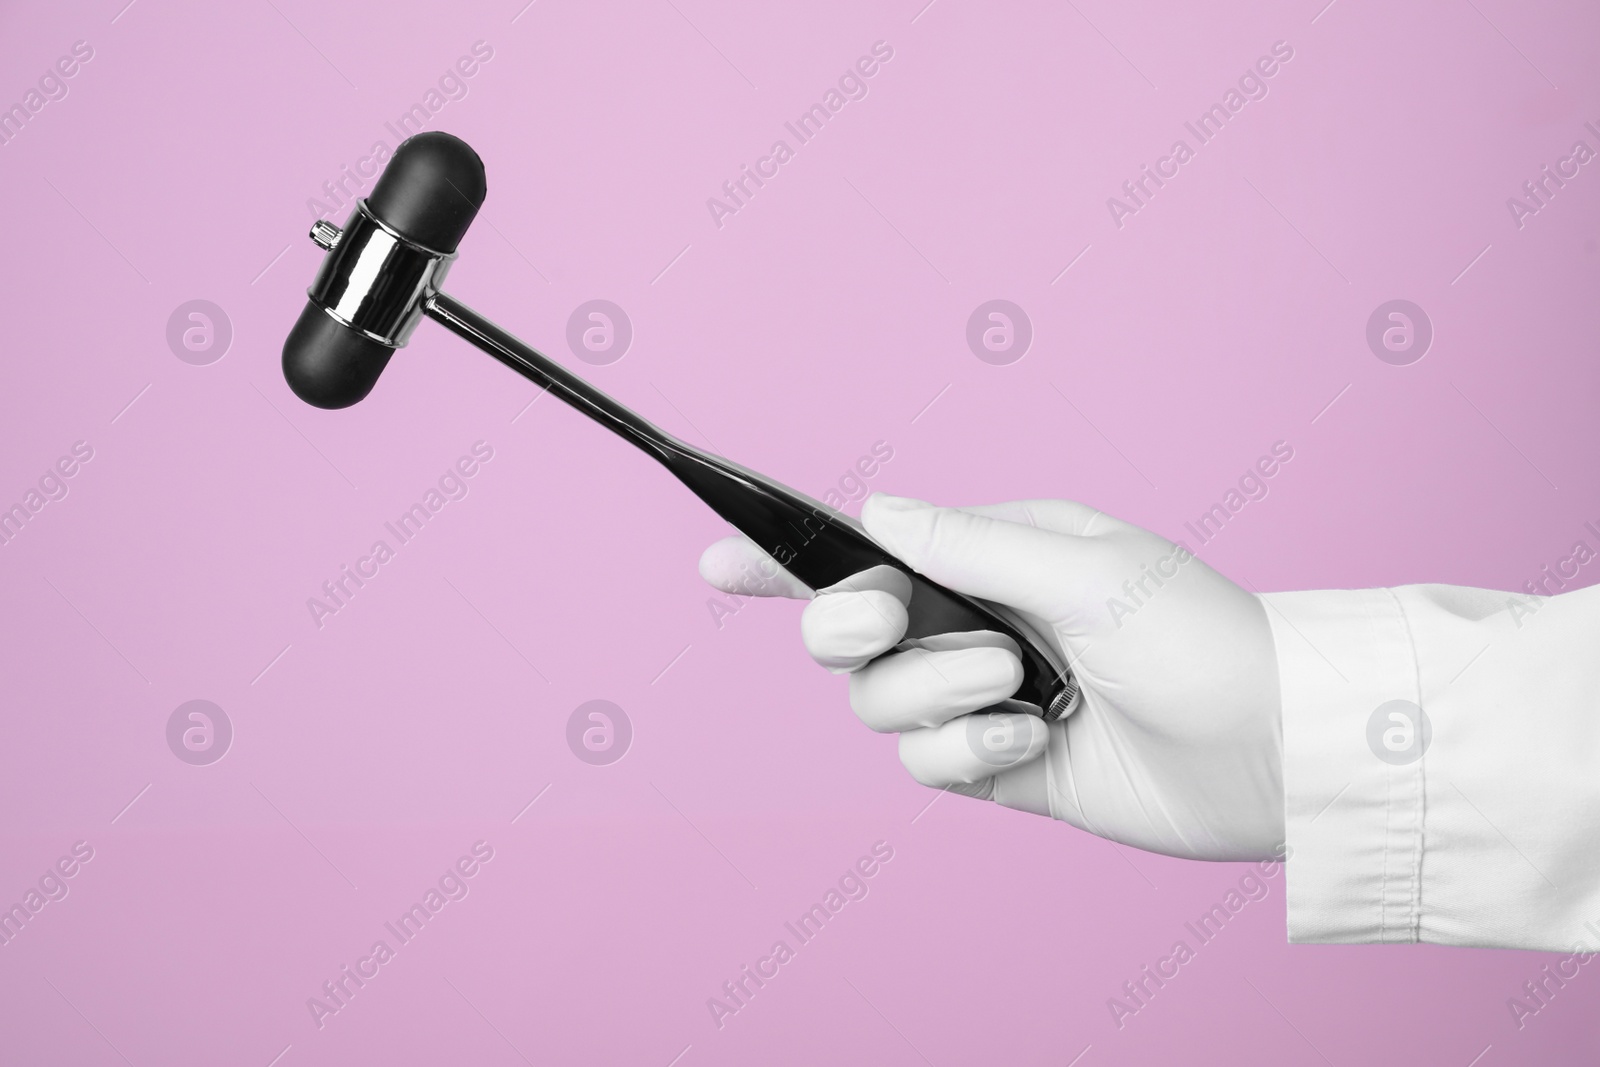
[{"x": 817, "y": 544}]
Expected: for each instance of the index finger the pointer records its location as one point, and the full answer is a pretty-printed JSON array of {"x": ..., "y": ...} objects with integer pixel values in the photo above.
[{"x": 736, "y": 565}]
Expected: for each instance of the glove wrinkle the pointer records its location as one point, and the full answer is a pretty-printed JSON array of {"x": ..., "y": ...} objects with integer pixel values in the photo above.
[{"x": 983, "y": 789}]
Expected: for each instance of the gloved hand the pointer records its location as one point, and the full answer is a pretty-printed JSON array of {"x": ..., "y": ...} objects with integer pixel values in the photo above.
[{"x": 1177, "y": 745}]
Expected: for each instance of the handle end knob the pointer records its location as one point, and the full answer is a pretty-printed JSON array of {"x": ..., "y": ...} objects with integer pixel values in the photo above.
[
  {"x": 1065, "y": 702},
  {"x": 325, "y": 234}
]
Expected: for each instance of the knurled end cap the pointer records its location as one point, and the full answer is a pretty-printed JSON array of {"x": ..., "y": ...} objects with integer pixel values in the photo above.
[
  {"x": 325, "y": 234},
  {"x": 1065, "y": 702}
]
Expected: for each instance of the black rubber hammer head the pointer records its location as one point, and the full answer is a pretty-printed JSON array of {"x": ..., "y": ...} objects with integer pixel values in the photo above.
[{"x": 390, "y": 256}]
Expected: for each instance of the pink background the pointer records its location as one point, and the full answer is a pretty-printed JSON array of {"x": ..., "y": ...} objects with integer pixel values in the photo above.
[{"x": 823, "y": 317}]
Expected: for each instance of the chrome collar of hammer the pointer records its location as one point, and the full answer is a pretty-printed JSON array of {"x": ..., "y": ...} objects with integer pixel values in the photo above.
[{"x": 374, "y": 280}]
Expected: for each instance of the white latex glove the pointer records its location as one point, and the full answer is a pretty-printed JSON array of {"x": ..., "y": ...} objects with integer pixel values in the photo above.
[{"x": 1177, "y": 746}]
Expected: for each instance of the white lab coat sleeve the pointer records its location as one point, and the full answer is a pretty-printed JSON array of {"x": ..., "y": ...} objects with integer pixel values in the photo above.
[{"x": 1489, "y": 833}]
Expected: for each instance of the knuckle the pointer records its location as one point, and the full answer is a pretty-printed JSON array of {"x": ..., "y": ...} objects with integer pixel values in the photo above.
[{"x": 839, "y": 628}]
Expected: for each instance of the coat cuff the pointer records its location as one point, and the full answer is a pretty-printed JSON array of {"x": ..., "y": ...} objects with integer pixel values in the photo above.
[{"x": 1354, "y": 790}]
